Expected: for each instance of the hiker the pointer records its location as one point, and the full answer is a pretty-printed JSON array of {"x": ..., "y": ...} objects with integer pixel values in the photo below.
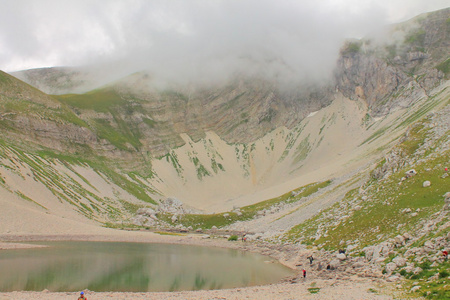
[
  {"x": 304, "y": 273},
  {"x": 445, "y": 254},
  {"x": 82, "y": 297},
  {"x": 311, "y": 258},
  {"x": 244, "y": 238}
]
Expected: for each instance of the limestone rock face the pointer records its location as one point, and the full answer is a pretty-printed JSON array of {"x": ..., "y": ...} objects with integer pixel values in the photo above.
[{"x": 374, "y": 74}]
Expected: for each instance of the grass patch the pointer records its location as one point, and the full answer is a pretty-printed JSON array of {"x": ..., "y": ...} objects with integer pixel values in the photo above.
[
  {"x": 233, "y": 238},
  {"x": 170, "y": 233},
  {"x": 98, "y": 100},
  {"x": 314, "y": 290}
]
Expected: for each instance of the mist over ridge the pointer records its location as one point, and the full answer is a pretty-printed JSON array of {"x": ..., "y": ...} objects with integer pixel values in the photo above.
[{"x": 189, "y": 42}]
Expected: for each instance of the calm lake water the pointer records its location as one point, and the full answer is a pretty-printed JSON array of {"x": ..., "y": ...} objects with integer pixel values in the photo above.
[{"x": 136, "y": 267}]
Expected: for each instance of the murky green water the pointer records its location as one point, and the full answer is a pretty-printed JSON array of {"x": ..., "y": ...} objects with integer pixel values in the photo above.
[{"x": 98, "y": 266}]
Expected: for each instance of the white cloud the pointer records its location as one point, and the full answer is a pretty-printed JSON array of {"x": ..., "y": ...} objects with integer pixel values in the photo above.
[{"x": 184, "y": 39}]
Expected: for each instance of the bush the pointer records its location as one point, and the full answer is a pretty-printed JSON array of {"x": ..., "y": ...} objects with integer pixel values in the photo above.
[
  {"x": 233, "y": 238},
  {"x": 443, "y": 274},
  {"x": 351, "y": 48}
]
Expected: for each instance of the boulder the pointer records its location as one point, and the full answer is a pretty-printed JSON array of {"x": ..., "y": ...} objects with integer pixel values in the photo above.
[
  {"x": 407, "y": 210},
  {"x": 399, "y": 261},
  {"x": 429, "y": 245},
  {"x": 146, "y": 211},
  {"x": 393, "y": 278},
  {"x": 447, "y": 199},
  {"x": 334, "y": 264},
  {"x": 426, "y": 183},
  {"x": 399, "y": 240},
  {"x": 341, "y": 256},
  {"x": 407, "y": 236},
  {"x": 415, "y": 288},
  {"x": 390, "y": 267},
  {"x": 410, "y": 173}
]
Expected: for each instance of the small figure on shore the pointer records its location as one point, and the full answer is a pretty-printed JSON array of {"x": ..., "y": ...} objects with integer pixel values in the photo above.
[
  {"x": 304, "y": 273},
  {"x": 445, "y": 254},
  {"x": 244, "y": 237},
  {"x": 82, "y": 297},
  {"x": 311, "y": 258}
]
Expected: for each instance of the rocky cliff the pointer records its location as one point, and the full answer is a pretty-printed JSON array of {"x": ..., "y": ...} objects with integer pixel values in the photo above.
[{"x": 392, "y": 68}]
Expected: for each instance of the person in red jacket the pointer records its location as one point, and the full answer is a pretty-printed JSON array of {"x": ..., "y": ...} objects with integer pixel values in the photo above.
[{"x": 82, "y": 296}]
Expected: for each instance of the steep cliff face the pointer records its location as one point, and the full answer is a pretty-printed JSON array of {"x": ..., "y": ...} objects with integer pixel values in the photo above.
[{"x": 390, "y": 70}]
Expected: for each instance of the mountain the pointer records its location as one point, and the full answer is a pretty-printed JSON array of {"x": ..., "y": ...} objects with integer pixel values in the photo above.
[{"x": 103, "y": 153}]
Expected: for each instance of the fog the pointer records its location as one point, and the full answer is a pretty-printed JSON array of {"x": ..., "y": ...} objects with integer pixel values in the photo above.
[{"x": 193, "y": 41}]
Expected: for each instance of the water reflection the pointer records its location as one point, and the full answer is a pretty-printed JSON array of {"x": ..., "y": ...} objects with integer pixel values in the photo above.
[{"x": 72, "y": 266}]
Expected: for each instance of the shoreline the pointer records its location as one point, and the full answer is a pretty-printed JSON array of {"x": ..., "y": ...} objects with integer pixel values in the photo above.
[{"x": 292, "y": 256}]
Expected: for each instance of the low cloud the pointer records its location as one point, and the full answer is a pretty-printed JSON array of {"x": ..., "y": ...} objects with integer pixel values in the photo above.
[{"x": 190, "y": 41}]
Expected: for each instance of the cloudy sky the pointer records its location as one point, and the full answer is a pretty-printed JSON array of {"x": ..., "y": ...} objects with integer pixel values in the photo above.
[{"x": 191, "y": 37}]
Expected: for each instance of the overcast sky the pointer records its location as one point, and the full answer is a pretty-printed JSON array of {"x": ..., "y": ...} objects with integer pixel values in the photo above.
[{"x": 189, "y": 38}]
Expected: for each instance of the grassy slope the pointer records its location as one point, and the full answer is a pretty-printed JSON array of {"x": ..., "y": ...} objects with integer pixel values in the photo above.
[
  {"x": 378, "y": 210},
  {"x": 118, "y": 132}
]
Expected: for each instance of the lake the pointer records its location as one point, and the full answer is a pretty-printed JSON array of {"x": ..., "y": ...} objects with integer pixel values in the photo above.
[{"x": 133, "y": 267}]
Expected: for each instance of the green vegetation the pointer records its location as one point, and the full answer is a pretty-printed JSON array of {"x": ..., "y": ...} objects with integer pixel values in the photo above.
[
  {"x": 314, "y": 290},
  {"x": 430, "y": 286},
  {"x": 380, "y": 215},
  {"x": 351, "y": 48},
  {"x": 302, "y": 151},
  {"x": 246, "y": 212},
  {"x": 5, "y": 78},
  {"x": 21, "y": 195},
  {"x": 444, "y": 67},
  {"x": 149, "y": 122},
  {"x": 233, "y": 238},
  {"x": 416, "y": 38},
  {"x": 102, "y": 100},
  {"x": 170, "y": 233}
]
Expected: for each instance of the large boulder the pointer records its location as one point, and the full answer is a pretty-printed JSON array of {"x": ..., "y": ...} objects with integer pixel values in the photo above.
[
  {"x": 399, "y": 261},
  {"x": 426, "y": 183},
  {"x": 146, "y": 211},
  {"x": 341, "y": 256},
  {"x": 390, "y": 267},
  {"x": 410, "y": 173},
  {"x": 334, "y": 264}
]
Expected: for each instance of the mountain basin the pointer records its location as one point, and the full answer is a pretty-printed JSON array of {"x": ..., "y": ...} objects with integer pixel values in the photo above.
[{"x": 133, "y": 267}]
